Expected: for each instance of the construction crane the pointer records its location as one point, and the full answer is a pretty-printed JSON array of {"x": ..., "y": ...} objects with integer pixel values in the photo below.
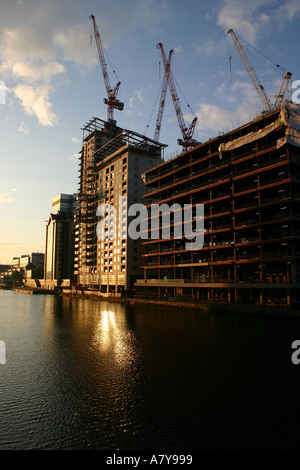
[
  {"x": 252, "y": 74},
  {"x": 187, "y": 132},
  {"x": 283, "y": 88},
  {"x": 111, "y": 101},
  {"x": 162, "y": 101},
  {"x": 255, "y": 80}
]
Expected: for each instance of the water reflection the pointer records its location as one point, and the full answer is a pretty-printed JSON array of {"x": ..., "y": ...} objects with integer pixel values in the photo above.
[
  {"x": 84, "y": 374},
  {"x": 112, "y": 336}
]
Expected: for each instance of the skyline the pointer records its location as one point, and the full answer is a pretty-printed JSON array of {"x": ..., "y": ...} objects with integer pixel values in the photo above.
[{"x": 54, "y": 85}]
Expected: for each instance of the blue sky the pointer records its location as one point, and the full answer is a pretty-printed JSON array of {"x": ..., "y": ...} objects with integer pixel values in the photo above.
[{"x": 54, "y": 85}]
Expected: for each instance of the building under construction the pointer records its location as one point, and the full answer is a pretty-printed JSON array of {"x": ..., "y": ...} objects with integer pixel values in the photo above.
[
  {"x": 111, "y": 164},
  {"x": 248, "y": 180}
]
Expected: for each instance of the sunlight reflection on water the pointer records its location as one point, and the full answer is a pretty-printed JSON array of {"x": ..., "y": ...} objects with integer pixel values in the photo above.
[
  {"x": 84, "y": 374},
  {"x": 112, "y": 336}
]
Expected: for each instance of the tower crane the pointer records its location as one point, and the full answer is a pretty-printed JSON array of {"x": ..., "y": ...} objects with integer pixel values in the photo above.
[
  {"x": 187, "y": 132},
  {"x": 111, "y": 101},
  {"x": 251, "y": 72},
  {"x": 283, "y": 88},
  {"x": 162, "y": 101},
  {"x": 255, "y": 80}
]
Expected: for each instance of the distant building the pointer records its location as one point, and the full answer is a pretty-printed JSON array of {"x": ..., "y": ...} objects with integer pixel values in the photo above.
[
  {"x": 37, "y": 259},
  {"x": 16, "y": 262},
  {"x": 31, "y": 266},
  {"x": 4, "y": 267},
  {"x": 60, "y": 240},
  {"x": 248, "y": 181},
  {"x": 5, "y": 275},
  {"x": 64, "y": 203},
  {"x": 111, "y": 164}
]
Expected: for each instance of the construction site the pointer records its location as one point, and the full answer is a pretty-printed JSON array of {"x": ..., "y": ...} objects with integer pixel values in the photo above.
[
  {"x": 111, "y": 162},
  {"x": 246, "y": 179}
]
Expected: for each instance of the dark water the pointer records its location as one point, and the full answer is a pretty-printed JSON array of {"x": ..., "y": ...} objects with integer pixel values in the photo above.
[{"x": 84, "y": 374}]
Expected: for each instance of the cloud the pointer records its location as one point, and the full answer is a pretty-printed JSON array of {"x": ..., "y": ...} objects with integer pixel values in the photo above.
[
  {"x": 212, "y": 117},
  {"x": 6, "y": 197},
  {"x": 74, "y": 46},
  {"x": 173, "y": 119},
  {"x": 19, "y": 43},
  {"x": 74, "y": 157},
  {"x": 35, "y": 101},
  {"x": 76, "y": 140},
  {"x": 29, "y": 62},
  {"x": 178, "y": 50},
  {"x": 136, "y": 99},
  {"x": 238, "y": 104},
  {"x": 36, "y": 71},
  {"x": 244, "y": 17},
  {"x": 32, "y": 51},
  {"x": 211, "y": 47},
  {"x": 23, "y": 128},
  {"x": 40, "y": 41},
  {"x": 248, "y": 19}
]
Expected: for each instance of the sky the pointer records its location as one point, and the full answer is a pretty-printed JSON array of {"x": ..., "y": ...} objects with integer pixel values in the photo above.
[{"x": 51, "y": 85}]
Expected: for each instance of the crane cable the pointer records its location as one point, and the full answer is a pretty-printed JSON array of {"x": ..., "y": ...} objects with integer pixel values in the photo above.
[
  {"x": 188, "y": 105},
  {"x": 270, "y": 60},
  {"x": 113, "y": 70},
  {"x": 159, "y": 92}
]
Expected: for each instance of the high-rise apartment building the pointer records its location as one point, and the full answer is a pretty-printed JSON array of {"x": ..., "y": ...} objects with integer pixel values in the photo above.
[
  {"x": 111, "y": 164},
  {"x": 248, "y": 181}
]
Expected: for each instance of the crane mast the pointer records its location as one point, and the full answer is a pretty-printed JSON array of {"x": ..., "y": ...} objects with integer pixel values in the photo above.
[
  {"x": 111, "y": 101},
  {"x": 187, "y": 132},
  {"x": 284, "y": 87},
  {"x": 162, "y": 101},
  {"x": 251, "y": 72}
]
